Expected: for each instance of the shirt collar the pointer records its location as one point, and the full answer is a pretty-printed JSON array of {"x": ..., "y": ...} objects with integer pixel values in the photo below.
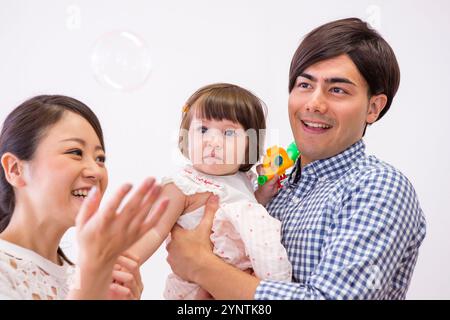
[{"x": 330, "y": 168}]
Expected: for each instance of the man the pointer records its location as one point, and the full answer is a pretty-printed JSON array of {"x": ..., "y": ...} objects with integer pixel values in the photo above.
[{"x": 351, "y": 224}]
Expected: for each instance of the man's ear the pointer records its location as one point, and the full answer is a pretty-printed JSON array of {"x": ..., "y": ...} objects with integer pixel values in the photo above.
[
  {"x": 376, "y": 105},
  {"x": 13, "y": 169}
]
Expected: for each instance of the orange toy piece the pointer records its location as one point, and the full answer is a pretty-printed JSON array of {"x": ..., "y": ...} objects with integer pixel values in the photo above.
[{"x": 276, "y": 161}]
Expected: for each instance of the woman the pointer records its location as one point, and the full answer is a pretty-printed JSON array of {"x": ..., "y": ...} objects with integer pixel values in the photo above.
[{"x": 53, "y": 177}]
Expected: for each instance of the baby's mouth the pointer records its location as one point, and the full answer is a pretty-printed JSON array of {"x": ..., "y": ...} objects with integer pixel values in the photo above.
[
  {"x": 212, "y": 159},
  {"x": 213, "y": 155}
]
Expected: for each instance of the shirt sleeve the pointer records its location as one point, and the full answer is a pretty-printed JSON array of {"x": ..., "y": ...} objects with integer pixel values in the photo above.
[{"x": 375, "y": 235}]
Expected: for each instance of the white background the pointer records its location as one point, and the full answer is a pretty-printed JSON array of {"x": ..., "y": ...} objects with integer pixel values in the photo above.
[{"x": 47, "y": 47}]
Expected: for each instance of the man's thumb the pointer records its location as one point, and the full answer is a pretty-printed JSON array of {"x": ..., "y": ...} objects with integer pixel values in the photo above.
[{"x": 212, "y": 204}]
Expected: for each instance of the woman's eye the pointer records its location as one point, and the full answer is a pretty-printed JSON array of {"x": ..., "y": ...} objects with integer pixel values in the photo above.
[
  {"x": 229, "y": 133},
  {"x": 76, "y": 152},
  {"x": 203, "y": 129},
  {"x": 101, "y": 159}
]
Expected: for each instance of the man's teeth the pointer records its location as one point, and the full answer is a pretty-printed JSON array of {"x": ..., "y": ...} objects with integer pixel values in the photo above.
[
  {"x": 317, "y": 125},
  {"x": 80, "y": 192}
]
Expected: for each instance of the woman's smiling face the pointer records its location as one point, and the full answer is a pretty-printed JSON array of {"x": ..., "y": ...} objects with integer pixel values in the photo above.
[{"x": 69, "y": 160}]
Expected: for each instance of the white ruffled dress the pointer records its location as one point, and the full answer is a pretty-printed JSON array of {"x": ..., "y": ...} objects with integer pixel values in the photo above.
[{"x": 243, "y": 232}]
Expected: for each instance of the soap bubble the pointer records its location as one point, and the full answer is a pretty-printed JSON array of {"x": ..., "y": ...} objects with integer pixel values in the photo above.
[{"x": 121, "y": 60}]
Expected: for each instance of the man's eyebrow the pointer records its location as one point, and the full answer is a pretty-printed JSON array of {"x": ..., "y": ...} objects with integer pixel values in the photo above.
[
  {"x": 329, "y": 80},
  {"x": 307, "y": 76},
  {"x": 340, "y": 80},
  {"x": 82, "y": 142}
]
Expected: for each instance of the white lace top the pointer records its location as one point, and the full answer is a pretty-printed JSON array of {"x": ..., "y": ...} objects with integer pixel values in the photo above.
[{"x": 25, "y": 275}]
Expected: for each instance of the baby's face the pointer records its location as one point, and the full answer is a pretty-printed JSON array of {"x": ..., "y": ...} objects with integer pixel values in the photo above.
[{"x": 217, "y": 147}]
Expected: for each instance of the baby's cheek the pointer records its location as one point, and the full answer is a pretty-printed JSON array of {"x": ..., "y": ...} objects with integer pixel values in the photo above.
[
  {"x": 242, "y": 148},
  {"x": 240, "y": 151},
  {"x": 196, "y": 152}
]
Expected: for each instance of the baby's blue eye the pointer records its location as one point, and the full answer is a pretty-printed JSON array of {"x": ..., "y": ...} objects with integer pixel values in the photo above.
[{"x": 229, "y": 133}]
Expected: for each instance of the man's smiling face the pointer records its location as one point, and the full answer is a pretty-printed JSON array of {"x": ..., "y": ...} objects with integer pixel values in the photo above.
[{"x": 329, "y": 107}]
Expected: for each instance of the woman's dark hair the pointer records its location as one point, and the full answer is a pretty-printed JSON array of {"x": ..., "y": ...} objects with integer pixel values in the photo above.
[
  {"x": 22, "y": 131},
  {"x": 371, "y": 54},
  {"x": 227, "y": 101}
]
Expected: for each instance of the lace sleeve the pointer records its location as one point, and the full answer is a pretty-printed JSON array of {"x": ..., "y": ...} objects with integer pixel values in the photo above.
[
  {"x": 7, "y": 288},
  {"x": 23, "y": 279}
]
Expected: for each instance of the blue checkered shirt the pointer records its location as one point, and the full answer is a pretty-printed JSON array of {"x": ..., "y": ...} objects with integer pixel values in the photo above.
[{"x": 352, "y": 227}]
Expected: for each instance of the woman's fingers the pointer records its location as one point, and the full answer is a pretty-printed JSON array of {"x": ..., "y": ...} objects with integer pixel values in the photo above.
[
  {"x": 128, "y": 280},
  {"x": 119, "y": 292},
  {"x": 122, "y": 276},
  {"x": 88, "y": 207},
  {"x": 153, "y": 217},
  {"x": 128, "y": 260},
  {"x": 145, "y": 207},
  {"x": 134, "y": 203},
  {"x": 110, "y": 210},
  {"x": 150, "y": 198},
  {"x": 130, "y": 263},
  {"x": 112, "y": 232}
]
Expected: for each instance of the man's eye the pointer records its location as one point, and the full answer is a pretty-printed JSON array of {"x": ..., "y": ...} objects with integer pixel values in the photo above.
[
  {"x": 337, "y": 90},
  {"x": 76, "y": 152},
  {"x": 229, "y": 133},
  {"x": 304, "y": 85}
]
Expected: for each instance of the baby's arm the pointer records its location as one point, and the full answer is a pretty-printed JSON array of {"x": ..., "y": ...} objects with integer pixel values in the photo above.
[
  {"x": 150, "y": 242},
  {"x": 266, "y": 192}
]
